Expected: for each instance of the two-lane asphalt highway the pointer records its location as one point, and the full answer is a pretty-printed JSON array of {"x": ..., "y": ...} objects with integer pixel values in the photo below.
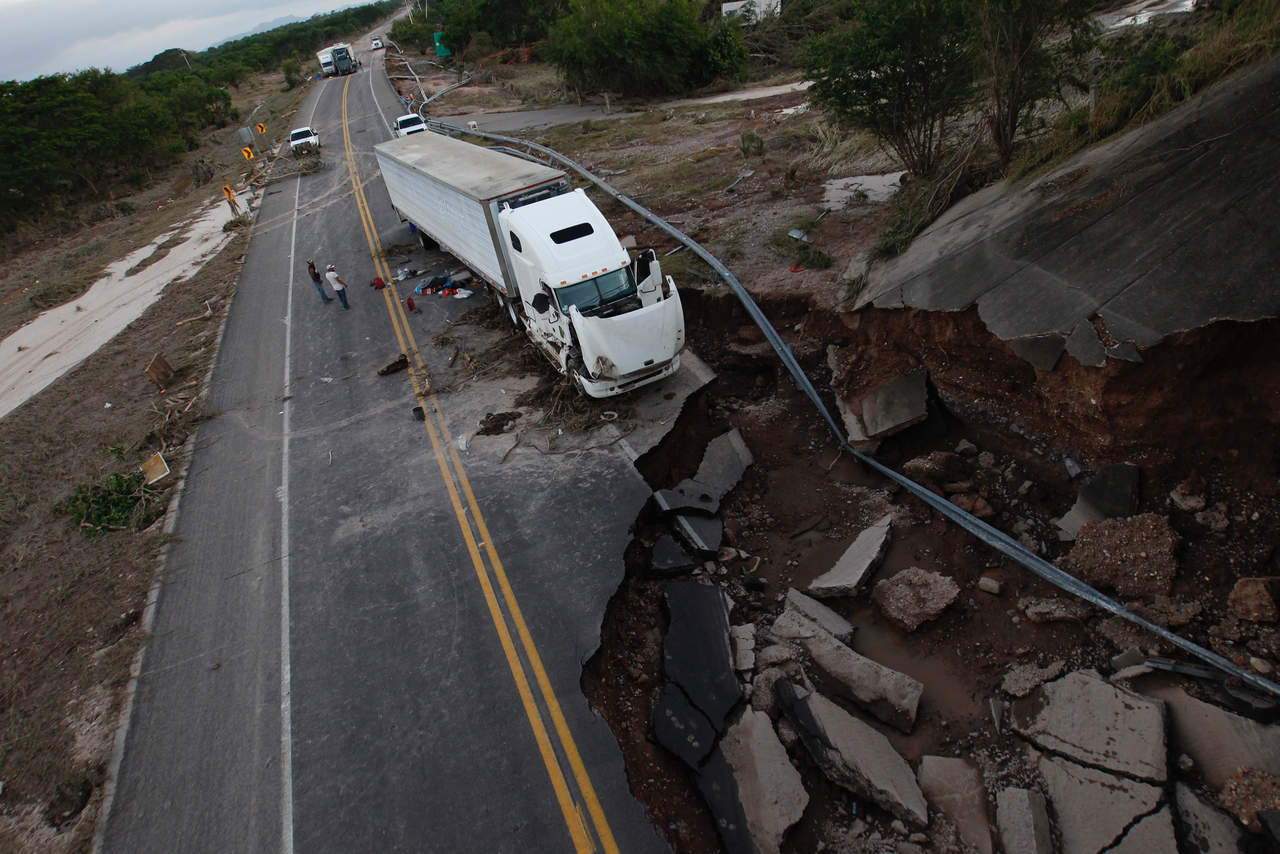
[{"x": 365, "y": 640}]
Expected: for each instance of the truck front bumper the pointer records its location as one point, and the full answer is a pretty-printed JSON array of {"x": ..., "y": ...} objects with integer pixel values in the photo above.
[{"x": 612, "y": 387}]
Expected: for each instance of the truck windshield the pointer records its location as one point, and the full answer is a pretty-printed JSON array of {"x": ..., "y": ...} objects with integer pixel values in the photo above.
[{"x": 597, "y": 292}]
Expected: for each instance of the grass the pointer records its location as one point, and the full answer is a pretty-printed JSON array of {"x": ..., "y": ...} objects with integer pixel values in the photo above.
[
  {"x": 801, "y": 251},
  {"x": 1152, "y": 70}
]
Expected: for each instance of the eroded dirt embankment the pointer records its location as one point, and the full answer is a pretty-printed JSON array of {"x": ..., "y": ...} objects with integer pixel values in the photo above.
[{"x": 1199, "y": 411}]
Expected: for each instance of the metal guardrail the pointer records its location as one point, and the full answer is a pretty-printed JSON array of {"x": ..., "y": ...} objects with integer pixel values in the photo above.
[{"x": 993, "y": 537}]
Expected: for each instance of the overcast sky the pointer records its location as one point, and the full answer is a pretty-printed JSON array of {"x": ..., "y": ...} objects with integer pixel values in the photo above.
[{"x": 50, "y": 36}]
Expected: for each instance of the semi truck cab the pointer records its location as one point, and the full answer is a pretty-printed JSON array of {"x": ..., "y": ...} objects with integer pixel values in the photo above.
[{"x": 607, "y": 320}]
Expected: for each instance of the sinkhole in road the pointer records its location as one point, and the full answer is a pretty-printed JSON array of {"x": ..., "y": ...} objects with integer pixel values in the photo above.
[{"x": 1020, "y": 439}]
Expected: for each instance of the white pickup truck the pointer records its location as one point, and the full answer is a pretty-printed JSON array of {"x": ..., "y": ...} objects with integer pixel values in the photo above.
[
  {"x": 304, "y": 141},
  {"x": 609, "y": 322},
  {"x": 410, "y": 123}
]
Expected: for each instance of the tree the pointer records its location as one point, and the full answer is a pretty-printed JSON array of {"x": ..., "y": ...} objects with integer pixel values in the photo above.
[
  {"x": 293, "y": 75},
  {"x": 642, "y": 47},
  {"x": 898, "y": 68},
  {"x": 1018, "y": 63}
]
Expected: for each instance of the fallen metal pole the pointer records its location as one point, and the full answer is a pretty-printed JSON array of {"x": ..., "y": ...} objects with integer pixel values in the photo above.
[{"x": 993, "y": 537}]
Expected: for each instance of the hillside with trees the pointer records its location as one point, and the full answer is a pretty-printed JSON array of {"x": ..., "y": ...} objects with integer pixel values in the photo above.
[{"x": 90, "y": 136}]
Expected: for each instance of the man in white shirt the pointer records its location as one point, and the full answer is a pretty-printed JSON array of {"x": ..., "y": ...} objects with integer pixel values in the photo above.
[{"x": 339, "y": 286}]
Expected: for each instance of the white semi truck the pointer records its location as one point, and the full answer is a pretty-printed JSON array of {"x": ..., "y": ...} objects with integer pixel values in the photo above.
[
  {"x": 326, "y": 61},
  {"x": 609, "y": 322}
]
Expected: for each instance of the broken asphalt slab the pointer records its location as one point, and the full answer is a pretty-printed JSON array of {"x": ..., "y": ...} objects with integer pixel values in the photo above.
[
  {"x": 696, "y": 652},
  {"x": 1152, "y": 232},
  {"x": 720, "y": 791},
  {"x": 723, "y": 463},
  {"x": 669, "y": 558},
  {"x": 1023, "y": 820},
  {"x": 1087, "y": 719},
  {"x": 681, "y": 728}
]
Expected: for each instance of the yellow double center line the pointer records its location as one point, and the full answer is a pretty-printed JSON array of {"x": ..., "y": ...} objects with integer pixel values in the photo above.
[{"x": 488, "y": 567}]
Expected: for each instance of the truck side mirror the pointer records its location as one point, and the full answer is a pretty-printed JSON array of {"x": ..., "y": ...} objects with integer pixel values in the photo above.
[{"x": 541, "y": 302}]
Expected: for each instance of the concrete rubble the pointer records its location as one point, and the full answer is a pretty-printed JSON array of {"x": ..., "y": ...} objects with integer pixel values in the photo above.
[
  {"x": 855, "y": 756},
  {"x": 857, "y": 563},
  {"x": 772, "y": 794},
  {"x": 914, "y": 596},
  {"x": 954, "y": 787},
  {"x": 1054, "y": 609},
  {"x": 1022, "y": 679},
  {"x": 839, "y": 628},
  {"x": 891, "y": 696},
  {"x": 744, "y": 647},
  {"x": 1091, "y": 721},
  {"x": 1096, "y": 810},
  {"x": 1023, "y": 821},
  {"x": 1111, "y": 493},
  {"x": 1207, "y": 828},
  {"x": 1219, "y": 742}
]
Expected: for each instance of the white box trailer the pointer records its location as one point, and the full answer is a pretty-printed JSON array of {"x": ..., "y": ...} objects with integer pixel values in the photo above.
[{"x": 610, "y": 322}]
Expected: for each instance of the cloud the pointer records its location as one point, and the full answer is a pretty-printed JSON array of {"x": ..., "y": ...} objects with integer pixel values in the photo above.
[{"x": 49, "y": 38}]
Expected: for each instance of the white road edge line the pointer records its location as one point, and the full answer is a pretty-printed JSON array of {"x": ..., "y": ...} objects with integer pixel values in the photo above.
[{"x": 286, "y": 667}]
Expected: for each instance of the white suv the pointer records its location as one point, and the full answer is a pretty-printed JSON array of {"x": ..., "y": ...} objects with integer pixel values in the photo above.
[
  {"x": 411, "y": 123},
  {"x": 375, "y": 43}
]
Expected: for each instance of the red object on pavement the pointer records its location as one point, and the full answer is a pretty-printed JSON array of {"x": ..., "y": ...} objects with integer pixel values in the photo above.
[
  {"x": 378, "y": 283},
  {"x": 408, "y": 301}
]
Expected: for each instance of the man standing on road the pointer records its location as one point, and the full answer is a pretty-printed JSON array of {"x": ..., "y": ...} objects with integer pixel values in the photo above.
[
  {"x": 339, "y": 286},
  {"x": 315, "y": 278}
]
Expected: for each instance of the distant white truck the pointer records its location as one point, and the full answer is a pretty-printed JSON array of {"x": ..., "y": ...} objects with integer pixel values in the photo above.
[
  {"x": 326, "y": 61},
  {"x": 609, "y": 322}
]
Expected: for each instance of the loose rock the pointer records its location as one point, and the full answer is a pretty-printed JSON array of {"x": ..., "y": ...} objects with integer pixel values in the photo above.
[
  {"x": 1054, "y": 610},
  {"x": 914, "y": 596},
  {"x": 1255, "y": 599},
  {"x": 1022, "y": 679},
  {"x": 1133, "y": 556}
]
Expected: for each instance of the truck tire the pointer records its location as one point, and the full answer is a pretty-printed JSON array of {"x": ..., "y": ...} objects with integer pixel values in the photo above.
[{"x": 506, "y": 305}]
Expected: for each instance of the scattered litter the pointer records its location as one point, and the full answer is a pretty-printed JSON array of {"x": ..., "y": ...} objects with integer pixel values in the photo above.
[
  {"x": 743, "y": 175},
  {"x": 463, "y": 442},
  {"x": 461, "y": 293},
  {"x": 411, "y": 306},
  {"x": 798, "y": 235},
  {"x": 106, "y": 405},
  {"x": 398, "y": 365},
  {"x": 154, "y": 468},
  {"x": 608, "y": 415},
  {"x": 419, "y": 414},
  {"x": 378, "y": 283},
  {"x": 796, "y": 268}
]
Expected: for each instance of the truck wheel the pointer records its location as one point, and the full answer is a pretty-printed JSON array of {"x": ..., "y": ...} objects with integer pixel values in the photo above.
[{"x": 504, "y": 304}]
